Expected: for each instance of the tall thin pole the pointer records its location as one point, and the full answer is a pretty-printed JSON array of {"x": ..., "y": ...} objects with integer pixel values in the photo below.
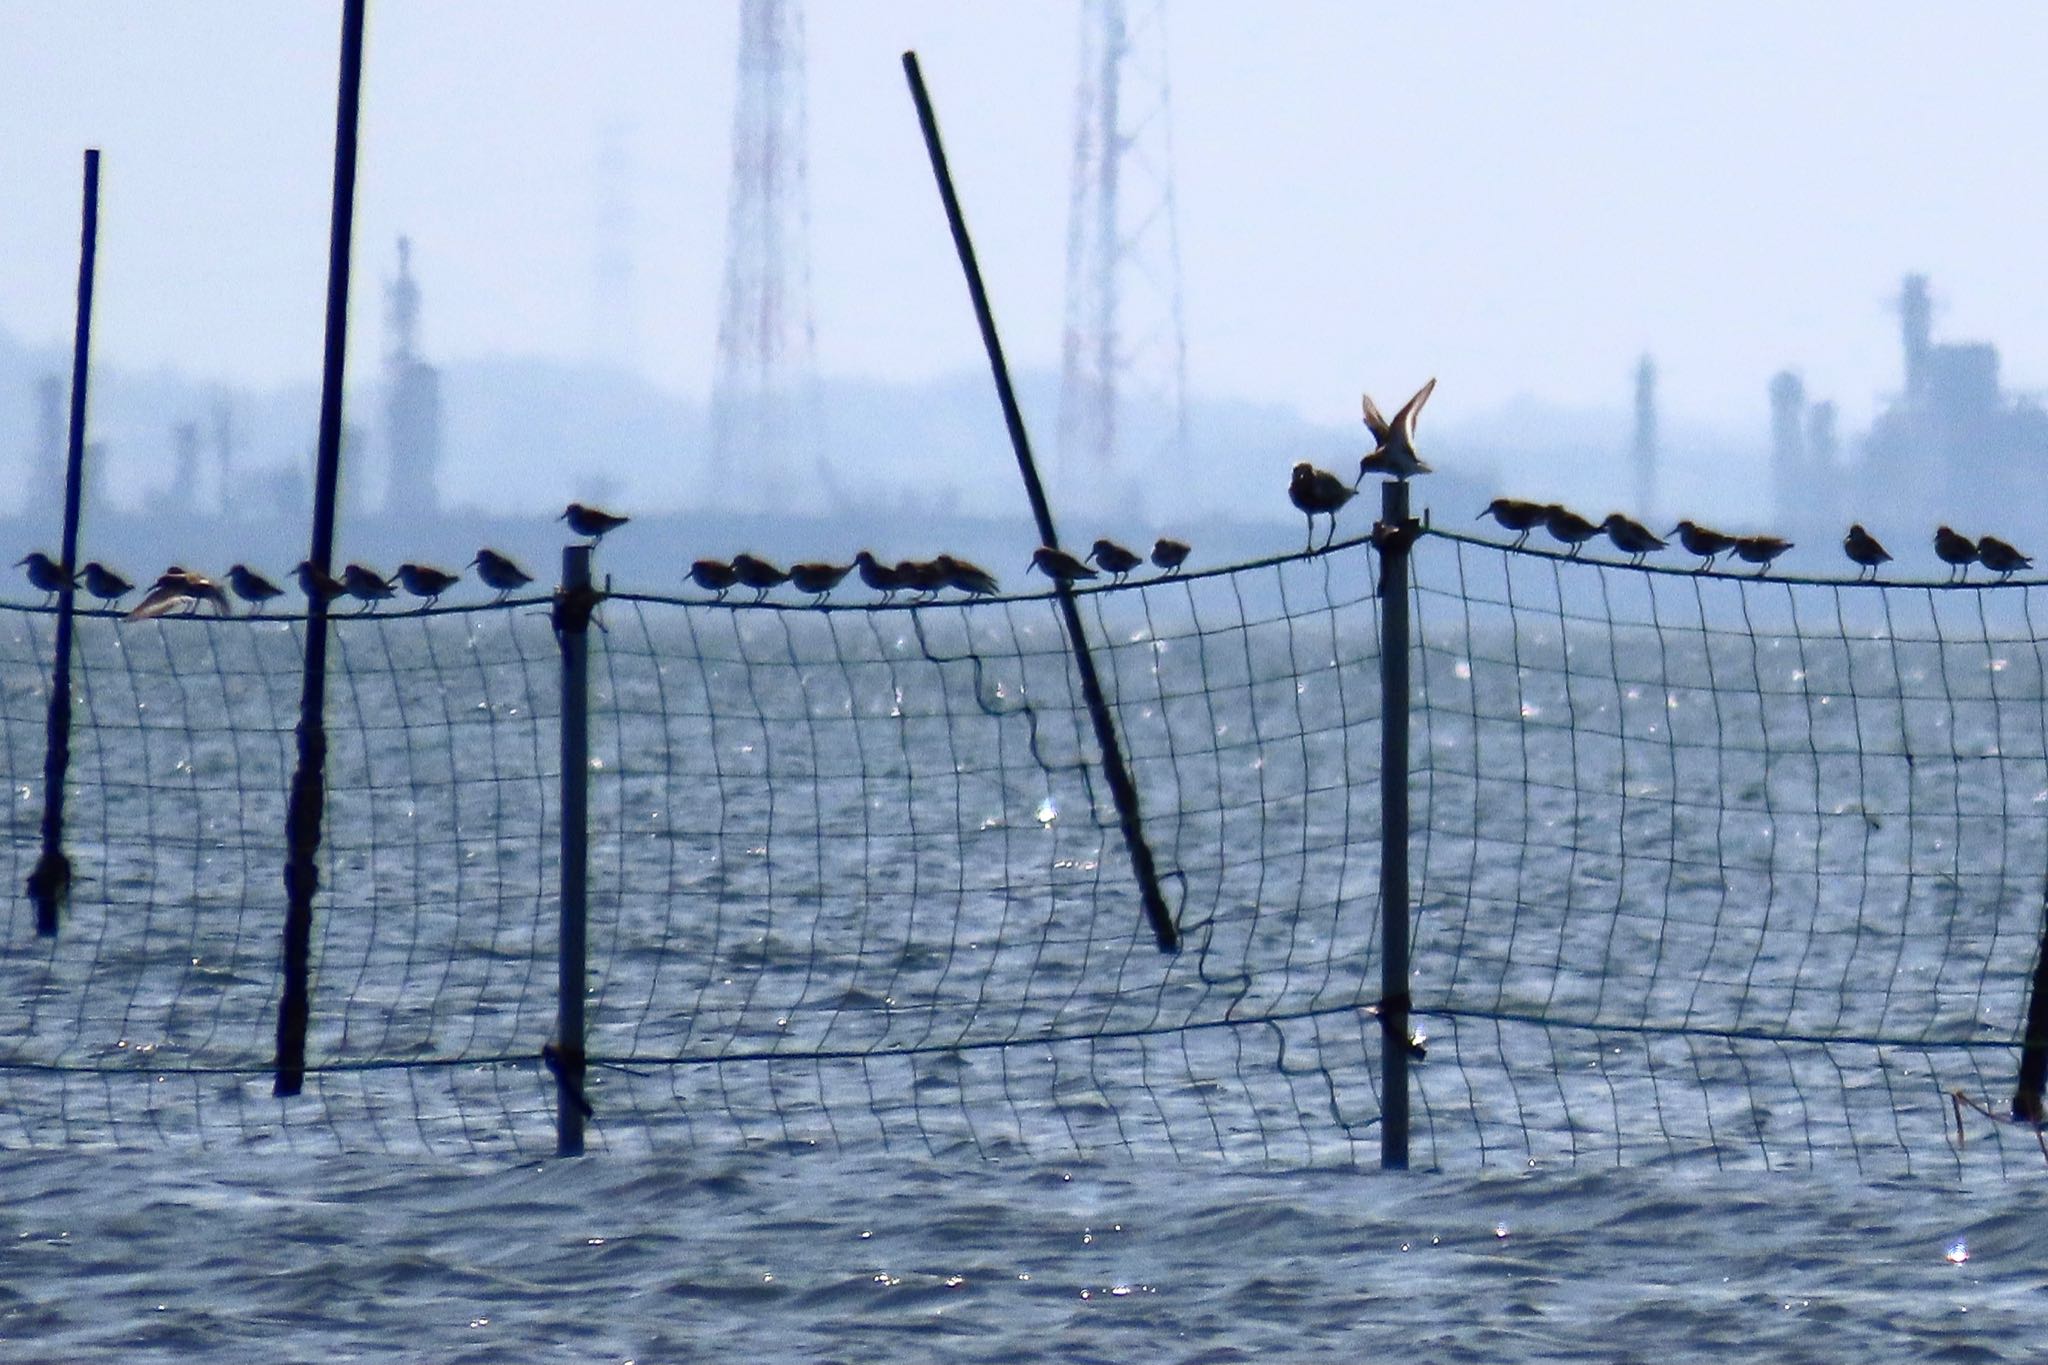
[
  {"x": 50, "y": 881},
  {"x": 1121, "y": 789},
  {"x": 572, "y": 633},
  {"x": 302, "y": 825},
  {"x": 1394, "y": 534},
  {"x": 2027, "y": 1090}
]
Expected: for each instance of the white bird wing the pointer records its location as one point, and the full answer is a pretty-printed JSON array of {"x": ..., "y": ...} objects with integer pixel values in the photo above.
[
  {"x": 1404, "y": 420},
  {"x": 1374, "y": 423},
  {"x": 161, "y": 601}
]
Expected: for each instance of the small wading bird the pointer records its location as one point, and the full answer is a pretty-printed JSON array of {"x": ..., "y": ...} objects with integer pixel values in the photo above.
[
  {"x": 318, "y": 586},
  {"x": 922, "y": 576},
  {"x": 593, "y": 522},
  {"x": 1568, "y": 527},
  {"x": 1113, "y": 559},
  {"x": 962, "y": 576},
  {"x": 1863, "y": 549},
  {"x": 817, "y": 579},
  {"x": 1703, "y": 541},
  {"x": 499, "y": 573},
  {"x": 877, "y": 575},
  {"x": 1632, "y": 538},
  {"x": 1169, "y": 554},
  {"x": 1059, "y": 566},
  {"x": 713, "y": 575},
  {"x": 1959, "y": 552},
  {"x": 758, "y": 574},
  {"x": 44, "y": 573},
  {"x": 1318, "y": 493},
  {"x": 1760, "y": 551},
  {"x": 1394, "y": 455},
  {"x": 1515, "y": 515},
  {"x": 179, "y": 589},
  {"x": 103, "y": 583},
  {"x": 366, "y": 585},
  {"x": 2001, "y": 558},
  {"x": 252, "y": 587},
  {"x": 426, "y": 582}
]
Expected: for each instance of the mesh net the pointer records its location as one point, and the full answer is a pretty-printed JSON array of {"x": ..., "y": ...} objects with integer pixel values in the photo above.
[{"x": 1705, "y": 868}]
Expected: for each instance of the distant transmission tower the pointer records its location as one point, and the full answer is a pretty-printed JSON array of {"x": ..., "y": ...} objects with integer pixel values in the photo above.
[
  {"x": 764, "y": 401},
  {"x": 1123, "y": 380}
]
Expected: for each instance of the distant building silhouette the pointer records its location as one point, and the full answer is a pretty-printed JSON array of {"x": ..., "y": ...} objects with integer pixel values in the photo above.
[
  {"x": 412, "y": 403},
  {"x": 46, "y": 481},
  {"x": 1644, "y": 449}
]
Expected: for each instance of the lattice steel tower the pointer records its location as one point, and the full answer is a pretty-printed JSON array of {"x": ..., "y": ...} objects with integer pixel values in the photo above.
[
  {"x": 764, "y": 405},
  {"x": 1123, "y": 373}
]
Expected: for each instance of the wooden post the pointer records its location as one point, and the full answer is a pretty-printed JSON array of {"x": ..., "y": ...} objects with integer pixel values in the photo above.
[
  {"x": 572, "y": 633},
  {"x": 1393, "y": 536},
  {"x": 50, "y": 882},
  {"x": 1123, "y": 791},
  {"x": 309, "y": 779}
]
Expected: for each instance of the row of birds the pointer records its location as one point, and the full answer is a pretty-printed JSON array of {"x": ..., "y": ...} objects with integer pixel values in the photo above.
[
  {"x": 181, "y": 589},
  {"x": 929, "y": 577},
  {"x": 1638, "y": 542}
]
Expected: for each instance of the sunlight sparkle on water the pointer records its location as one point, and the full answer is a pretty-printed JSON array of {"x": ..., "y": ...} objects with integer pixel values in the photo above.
[{"x": 1958, "y": 1252}]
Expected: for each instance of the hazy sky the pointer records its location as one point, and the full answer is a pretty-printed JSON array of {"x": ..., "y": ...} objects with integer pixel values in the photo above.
[{"x": 1517, "y": 198}]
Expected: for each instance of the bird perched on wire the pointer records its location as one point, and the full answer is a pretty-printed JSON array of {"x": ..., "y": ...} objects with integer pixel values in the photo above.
[
  {"x": 427, "y": 582},
  {"x": 1632, "y": 538},
  {"x": 713, "y": 575},
  {"x": 1169, "y": 554},
  {"x": 1760, "y": 551},
  {"x": 1703, "y": 541},
  {"x": 1318, "y": 493},
  {"x": 1059, "y": 566},
  {"x": 252, "y": 587},
  {"x": 318, "y": 586},
  {"x": 1113, "y": 559},
  {"x": 593, "y": 522},
  {"x": 178, "y": 589},
  {"x": 1394, "y": 455},
  {"x": 817, "y": 578},
  {"x": 970, "y": 578},
  {"x": 921, "y": 576},
  {"x": 1568, "y": 527},
  {"x": 1515, "y": 515},
  {"x": 103, "y": 583},
  {"x": 1957, "y": 551},
  {"x": 1864, "y": 550},
  {"x": 44, "y": 573},
  {"x": 2001, "y": 558},
  {"x": 877, "y": 575},
  {"x": 499, "y": 573},
  {"x": 366, "y": 585},
  {"x": 758, "y": 574}
]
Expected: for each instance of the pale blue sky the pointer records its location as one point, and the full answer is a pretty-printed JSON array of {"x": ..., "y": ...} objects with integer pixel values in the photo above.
[{"x": 1517, "y": 198}]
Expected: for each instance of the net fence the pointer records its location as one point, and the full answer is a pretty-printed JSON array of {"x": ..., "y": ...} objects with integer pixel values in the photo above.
[{"x": 1704, "y": 869}]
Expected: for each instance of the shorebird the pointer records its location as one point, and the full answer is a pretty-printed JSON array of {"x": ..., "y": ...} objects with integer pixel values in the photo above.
[
  {"x": 252, "y": 587},
  {"x": 103, "y": 583},
  {"x": 1862, "y": 547},
  {"x": 1760, "y": 550},
  {"x": 44, "y": 573},
  {"x": 1515, "y": 515},
  {"x": 318, "y": 586},
  {"x": 1959, "y": 552},
  {"x": 877, "y": 575},
  {"x": 922, "y": 576},
  {"x": 1169, "y": 554},
  {"x": 1699, "y": 540},
  {"x": 818, "y": 579},
  {"x": 1060, "y": 566},
  {"x": 2001, "y": 558},
  {"x": 962, "y": 576},
  {"x": 499, "y": 573},
  {"x": 366, "y": 585},
  {"x": 756, "y": 573},
  {"x": 713, "y": 575},
  {"x": 1318, "y": 492},
  {"x": 175, "y": 590},
  {"x": 1394, "y": 455},
  {"x": 1568, "y": 527},
  {"x": 1632, "y": 538},
  {"x": 594, "y": 522},
  {"x": 427, "y": 582},
  {"x": 1113, "y": 559}
]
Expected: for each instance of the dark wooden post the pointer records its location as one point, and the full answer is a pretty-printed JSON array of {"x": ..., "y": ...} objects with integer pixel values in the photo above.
[{"x": 1394, "y": 535}]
